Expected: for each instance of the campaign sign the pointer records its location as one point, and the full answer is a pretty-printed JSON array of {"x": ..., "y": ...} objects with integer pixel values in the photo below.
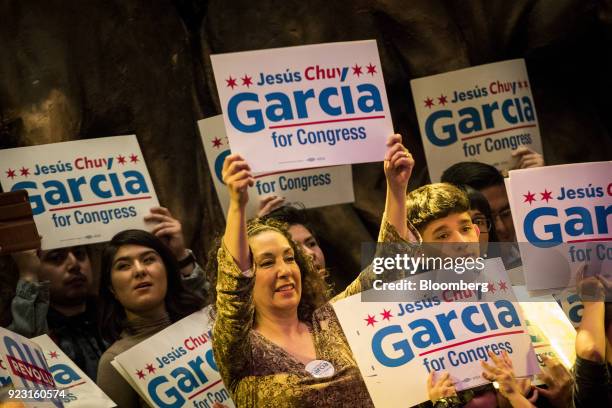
[
  {"x": 551, "y": 332},
  {"x": 562, "y": 221},
  {"x": 569, "y": 300},
  {"x": 307, "y": 106},
  {"x": 79, "y": 389},
  {"x": 476, "y": 114},
  {"x": 312, "y": 187},
  {"x": 84, "y": 191},
  {"x": 176, "y": 367},
  {"x": 28, "y": 371},
  {"x": 396, "y": 345}
]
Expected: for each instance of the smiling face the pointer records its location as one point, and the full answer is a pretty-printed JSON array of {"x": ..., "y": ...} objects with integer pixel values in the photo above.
[
  {"x": 139, "y": 279},
  {"x": 456, "y": 233},
  {"x": 278, "y": 283}
]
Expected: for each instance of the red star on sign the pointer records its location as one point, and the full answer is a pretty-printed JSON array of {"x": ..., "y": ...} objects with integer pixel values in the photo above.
[
  {"x": 216, "y": 142},
  {"x": 121, "y": 159},
  {"x": 24, "y": 171},
  {"x": 371, "y": 69},
  {"x": 10, "y": 173},
  {"x": 429, "y": 102},
  {"x": 150, "y": 368},
  {"x": 140, "y": 374},
  {"x": 357, "y": 70},
  {"x": 502, "y": 285},
  {"x": 442, "y": 100},
  {"x": 371, "y": 320},
  {"x": 546, "y": 195},
  {"x": 246, "y": 80},
  {"x": 53, "y": 354},
  {"x": 133, "y": 158},
  {"x": 491, "y": 287},
  {"x": 529, "y": 197},
  {"x": 526, "y": 84},
  {"x": 386, "y": 314},
  {"x": 231, "y": 82},
  {"x": 520, "y": 85}
]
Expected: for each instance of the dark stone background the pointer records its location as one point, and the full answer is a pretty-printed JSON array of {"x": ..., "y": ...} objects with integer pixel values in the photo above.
[{"x": 82, "y": 69}]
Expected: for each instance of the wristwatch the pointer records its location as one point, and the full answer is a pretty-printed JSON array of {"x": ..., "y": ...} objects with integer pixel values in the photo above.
[{"x": 188, "y": 260}]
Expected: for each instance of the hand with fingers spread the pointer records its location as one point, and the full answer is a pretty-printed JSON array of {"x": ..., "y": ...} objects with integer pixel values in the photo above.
[
  {"x": 441, "y": 387},
  {"x": 559, "y": 382},
  {"x": 398, "y": 164},
  {"x": 169, "y": 230},
  {"x": 269, "y": 204},
  {"x": 509, "y": 386},
  {"x": 238, "y": 178},
  {"x": 527, "y": 158}
]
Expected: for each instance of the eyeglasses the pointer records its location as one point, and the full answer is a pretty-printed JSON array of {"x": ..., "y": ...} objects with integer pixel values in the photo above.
[
  {"x": 503, "y": 215},
  {"x": 484, "y": 224}
]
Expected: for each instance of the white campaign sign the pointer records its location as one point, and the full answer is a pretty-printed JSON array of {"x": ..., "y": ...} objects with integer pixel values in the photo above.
[
  {"x": 397, "y": 344},
  {"x": 176, "y": 366},
  {"x": 80, "y": 390},
  {"x": 306, "y": 106},
  {"x": 84, "y": 191},
  {"x": 312, "y": 187},
  {"x": 479, "y": 114},
  {"x": 28, "y": 370},
  {"x": 562, "y": 221},
  {"x": 551, "y": 332}
]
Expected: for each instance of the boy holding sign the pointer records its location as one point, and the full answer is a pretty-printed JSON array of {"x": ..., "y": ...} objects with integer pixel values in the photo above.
[{"x": 440, "y": 212}]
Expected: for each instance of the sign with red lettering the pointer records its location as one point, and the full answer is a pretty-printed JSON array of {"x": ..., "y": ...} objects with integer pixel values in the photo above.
[
  {"x": 84, "y": 191},
  {"x": 176, "y": 367},
  {"x": 29, "y": 373},
  {"x": 311, "y": 187},
  {"x": 397, "y": 344},
  {"x": 306, "y": 106},
  {"x": 476, "y": 114}
]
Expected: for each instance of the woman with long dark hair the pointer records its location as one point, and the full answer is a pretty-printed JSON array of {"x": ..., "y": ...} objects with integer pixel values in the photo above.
[{"x": 142, "y": 292}]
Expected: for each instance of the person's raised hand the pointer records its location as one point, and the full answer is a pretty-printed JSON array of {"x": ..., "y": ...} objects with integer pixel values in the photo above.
[
  {"x": 502, "y": 372},
  {"x": 238, "y": 178},
  {"x": 28, "y": 264},
  {"x": 559, "y": 382},
  {"x": 527, "y": 158},
  {"x": 398, "y": 164},
  {"x": 269, "y": 204},
  {"x": 440, "y": 387},
  {"x": 168, "y": 229}
]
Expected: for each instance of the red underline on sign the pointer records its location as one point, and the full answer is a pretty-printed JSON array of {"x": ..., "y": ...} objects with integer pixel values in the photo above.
[
  {"x": 204, "y": 389},
  {"x": 100, "y": 203},
  {"x": 73, "y": 385},
  {"x": 285, "y": 171},
  {"x": 327, "y": 121},
  {"x": 499, "y": 131},
  {"x": 471, "y": 340},
  {"x": 590, "y": 240},
  {"x": 541, "y": 345}
]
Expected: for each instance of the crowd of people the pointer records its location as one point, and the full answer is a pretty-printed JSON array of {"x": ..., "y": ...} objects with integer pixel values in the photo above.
[{"x": 267, "y": 290}]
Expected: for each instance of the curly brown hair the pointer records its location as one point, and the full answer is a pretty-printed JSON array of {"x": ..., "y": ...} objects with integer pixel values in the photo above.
[{"x": 315, "y": 291}]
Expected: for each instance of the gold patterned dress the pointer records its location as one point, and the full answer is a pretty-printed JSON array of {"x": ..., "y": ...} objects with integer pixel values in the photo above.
[{"x": 258, "y": 373}]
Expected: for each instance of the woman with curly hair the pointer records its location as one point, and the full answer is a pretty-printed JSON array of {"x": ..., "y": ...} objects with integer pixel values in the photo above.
[{"x": 277, "y": 340}]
